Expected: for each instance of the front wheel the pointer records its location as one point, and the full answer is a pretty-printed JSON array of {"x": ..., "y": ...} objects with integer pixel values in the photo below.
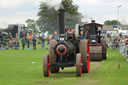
[
  {"x": 78, "y": 65},
  {"x": 46, "y": 66},
  {"x": 52, "y": 56}
]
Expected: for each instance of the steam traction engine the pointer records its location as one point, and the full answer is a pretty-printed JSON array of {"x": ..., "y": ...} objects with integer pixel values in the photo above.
[
  {"x": 67, "y": 51},
  {"x": 98, "y": 47}
]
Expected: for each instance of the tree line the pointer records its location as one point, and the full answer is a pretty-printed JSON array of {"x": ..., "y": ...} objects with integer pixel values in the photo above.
[{"x": 48, "y": 17}]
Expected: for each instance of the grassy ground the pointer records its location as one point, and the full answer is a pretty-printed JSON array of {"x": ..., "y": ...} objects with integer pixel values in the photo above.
[{"x": 24, "y": 67}]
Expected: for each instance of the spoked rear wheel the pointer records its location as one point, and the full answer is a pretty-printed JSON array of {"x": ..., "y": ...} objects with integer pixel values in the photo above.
[
  {"x": 85, "y": 53},
  {"x": 46, "y": 66},
  {"x": 78, "y": 65}
]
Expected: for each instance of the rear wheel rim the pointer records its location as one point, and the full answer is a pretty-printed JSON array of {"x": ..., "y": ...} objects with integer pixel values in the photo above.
[{"x": 80, "y": 66}]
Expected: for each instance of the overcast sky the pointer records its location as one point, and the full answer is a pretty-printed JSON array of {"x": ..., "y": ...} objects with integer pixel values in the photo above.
[{"x": 17, "y": 11}]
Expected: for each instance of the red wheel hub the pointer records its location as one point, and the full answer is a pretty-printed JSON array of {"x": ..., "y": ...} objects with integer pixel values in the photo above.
[{"x": 61, "y": 50}]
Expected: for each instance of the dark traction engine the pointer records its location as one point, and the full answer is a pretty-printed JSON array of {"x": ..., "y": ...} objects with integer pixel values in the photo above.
[
  {"x": 67, "y": 51},
  {"x": 98, "y": 47}
]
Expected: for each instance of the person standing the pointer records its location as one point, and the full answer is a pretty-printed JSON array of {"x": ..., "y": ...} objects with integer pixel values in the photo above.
[
  {"x": 34, "y": 43},
  {"x": 55, "y": 36},
  {"x": 82, "y": 35},
  {"x": 28, "y": 40},
  {"x": 23, "y": 43},
  {"x": 16, "y": 45},
  {"x": 9, "y": 35},
  {"x": 28, "y": 44},
  {"x": 42, "y": 41}
]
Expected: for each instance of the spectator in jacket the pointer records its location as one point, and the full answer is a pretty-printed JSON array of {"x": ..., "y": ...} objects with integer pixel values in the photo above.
[
  {"x": 23, "y": 41},
  {"x": 34, "y": 43}
]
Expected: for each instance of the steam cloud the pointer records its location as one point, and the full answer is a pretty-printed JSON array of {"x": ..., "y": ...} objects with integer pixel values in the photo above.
[
  {"x": 53, "y": 3},
  {"x": 87, "y": 18}
]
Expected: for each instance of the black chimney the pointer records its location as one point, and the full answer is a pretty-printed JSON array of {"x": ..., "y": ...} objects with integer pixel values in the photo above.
[{"x": 61, "y": 21}]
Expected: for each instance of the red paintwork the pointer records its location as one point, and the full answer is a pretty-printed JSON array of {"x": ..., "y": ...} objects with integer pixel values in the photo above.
[
  {"x": 88, "y": 51},
  {"x": 75, "y": 65},
  {"x": 97, "y": 25},
  {"x": 81, "y": 67}
]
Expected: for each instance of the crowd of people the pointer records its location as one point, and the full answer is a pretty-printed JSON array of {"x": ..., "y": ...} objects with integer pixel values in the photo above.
[
  {"x": 120, "y": 43},
  {"x": 117, "y": 41},
  {"x": 29, "y": 39}
]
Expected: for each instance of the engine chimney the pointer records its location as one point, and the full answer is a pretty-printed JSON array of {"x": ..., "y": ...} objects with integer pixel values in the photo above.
[{"x": 61, "y": 21}]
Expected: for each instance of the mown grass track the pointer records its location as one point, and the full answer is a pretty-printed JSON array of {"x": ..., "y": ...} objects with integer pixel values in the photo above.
[{"x": 24, "y": 67}]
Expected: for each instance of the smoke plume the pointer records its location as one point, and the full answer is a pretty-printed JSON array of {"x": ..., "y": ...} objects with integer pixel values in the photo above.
[{"x": 53, "y": 3}]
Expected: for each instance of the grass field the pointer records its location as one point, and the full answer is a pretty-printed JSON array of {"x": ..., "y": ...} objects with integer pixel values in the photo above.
[{"x": 24, "y": 67}]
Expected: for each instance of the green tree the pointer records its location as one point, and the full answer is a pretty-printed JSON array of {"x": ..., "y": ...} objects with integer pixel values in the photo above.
[
  {"x": 111, "y": 22},
  {"x": 31, "y": 24},
  {"x": 48, "y": 16},
  {"x": 70, "y": 7}
]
